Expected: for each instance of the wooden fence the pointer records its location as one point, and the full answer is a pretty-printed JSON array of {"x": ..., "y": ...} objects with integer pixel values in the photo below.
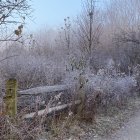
[{"x": 12, "y": 92}]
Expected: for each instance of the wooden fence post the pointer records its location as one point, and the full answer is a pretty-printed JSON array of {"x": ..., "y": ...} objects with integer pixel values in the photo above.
[
  {"x": 10, "y": 98},
  {"x": 81, "y": 94}
]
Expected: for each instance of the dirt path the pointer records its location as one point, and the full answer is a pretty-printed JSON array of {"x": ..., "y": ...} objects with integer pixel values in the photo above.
[{"x": 131, "y": 131}]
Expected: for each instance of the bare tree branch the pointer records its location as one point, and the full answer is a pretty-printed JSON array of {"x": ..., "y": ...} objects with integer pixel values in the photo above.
[{"x": 13, "y": 12}]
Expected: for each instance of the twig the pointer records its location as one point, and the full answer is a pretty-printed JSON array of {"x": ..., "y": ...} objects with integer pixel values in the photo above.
[{"x": 8, "y": 58}]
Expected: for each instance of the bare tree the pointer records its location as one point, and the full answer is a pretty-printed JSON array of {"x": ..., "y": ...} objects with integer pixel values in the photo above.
[
  {"x": 128, "y": 34},
  {"x": 13, "y": 12},
  {"x": 88, "y": 30},
  {"x": 121, "y": 33}
]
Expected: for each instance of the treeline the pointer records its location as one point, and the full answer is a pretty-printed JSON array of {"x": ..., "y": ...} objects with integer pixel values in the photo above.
[{"x": 96, "y": 37}]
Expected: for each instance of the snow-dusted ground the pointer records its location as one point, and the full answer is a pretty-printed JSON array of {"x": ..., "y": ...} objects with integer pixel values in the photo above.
[{"x": 131, "y": 131}]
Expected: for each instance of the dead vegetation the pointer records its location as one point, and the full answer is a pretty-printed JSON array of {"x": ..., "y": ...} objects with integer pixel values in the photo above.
[{"x": 98, "y": 56}]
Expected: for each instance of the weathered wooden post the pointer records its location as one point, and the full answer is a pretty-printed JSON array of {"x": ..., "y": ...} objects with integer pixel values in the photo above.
[
  {"x": 85, "y": 110},
  {"x": 10, "y": 98},
  {"x": 81, "y": 94}
]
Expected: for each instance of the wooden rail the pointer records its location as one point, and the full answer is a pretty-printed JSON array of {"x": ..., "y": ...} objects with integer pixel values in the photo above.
[
  {"x": 44, "y": 89},
  {"x": 50, "y": 110}
]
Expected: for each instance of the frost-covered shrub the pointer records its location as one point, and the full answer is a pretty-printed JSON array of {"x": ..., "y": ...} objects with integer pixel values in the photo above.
[
  {"x": 115, "y": 87},
  {"x": 136, "y": 73},
  {"x": 108, "y": 84},
  {"x": 31, "y": 69},
  {"x": 35, "y": 68}
]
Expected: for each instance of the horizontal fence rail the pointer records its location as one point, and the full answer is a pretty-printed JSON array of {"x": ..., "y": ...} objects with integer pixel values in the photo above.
[
  {"x": 50, "y": 110},
  {"x": 44, "y": 89}
]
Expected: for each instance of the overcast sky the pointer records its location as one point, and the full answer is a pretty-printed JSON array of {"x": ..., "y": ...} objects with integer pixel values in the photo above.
[{"x": 51, "y": 13}]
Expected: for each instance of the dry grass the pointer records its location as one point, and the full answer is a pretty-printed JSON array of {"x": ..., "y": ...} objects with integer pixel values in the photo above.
[
  {"x": 19, "y": 129},
  {"x": 103, "y": 126},
  {"x": 69, "y": 125}
]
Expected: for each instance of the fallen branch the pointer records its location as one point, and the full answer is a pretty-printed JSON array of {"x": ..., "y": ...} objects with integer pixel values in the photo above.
[{"x": 50, "y": 110}]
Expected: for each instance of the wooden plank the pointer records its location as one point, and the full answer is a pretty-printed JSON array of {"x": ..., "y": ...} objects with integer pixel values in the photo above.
[
  {"x": 50, "y": 110},
  {"x": 44, "y": 89}
]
